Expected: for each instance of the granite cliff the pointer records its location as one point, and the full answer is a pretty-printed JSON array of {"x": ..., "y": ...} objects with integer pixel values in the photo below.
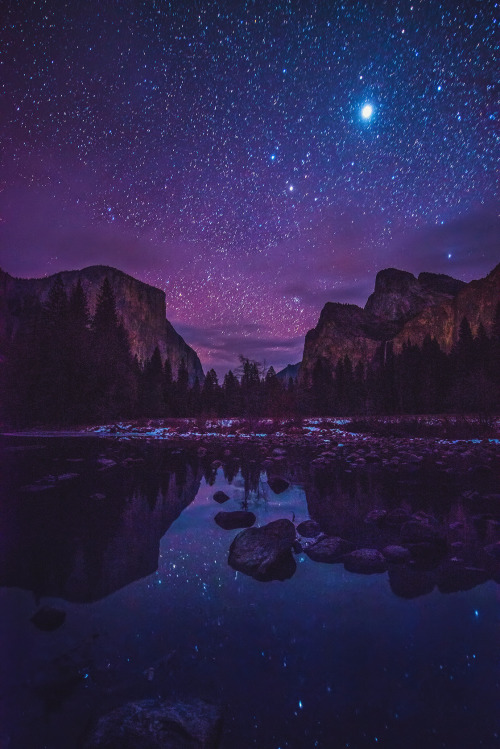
[
  {"x": 141, "y": 307},
  {"x": 401, "y": 308}
]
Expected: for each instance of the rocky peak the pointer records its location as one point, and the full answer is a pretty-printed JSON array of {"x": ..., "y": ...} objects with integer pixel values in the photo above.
[
  {"x": 440, "y": 283},
  {"x": 402, "y": 307},
  {"x": 399, "y": 296}
]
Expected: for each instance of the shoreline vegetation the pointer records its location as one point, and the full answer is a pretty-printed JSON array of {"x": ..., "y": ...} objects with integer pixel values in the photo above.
[{"x": 441, "y": 428}]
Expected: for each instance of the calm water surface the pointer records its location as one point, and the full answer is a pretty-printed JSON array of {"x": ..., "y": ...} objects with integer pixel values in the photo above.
[{"x": 128, "y": 548}]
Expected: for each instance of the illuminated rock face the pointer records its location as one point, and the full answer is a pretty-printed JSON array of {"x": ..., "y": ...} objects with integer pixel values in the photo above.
[
  {"x": 477, "y": 301},
  {"x": 402, "y": 307},
  {"x": 141, "y": 307}
]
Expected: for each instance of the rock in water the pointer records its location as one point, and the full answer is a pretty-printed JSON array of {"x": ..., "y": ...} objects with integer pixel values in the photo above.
[
  {"x": 277, "y": 484},
  {"x": 48, "y": 618},
  {"x": 237, "y": 519},
  {"x": 308, "y": 529},
  {"x": 151, "y": 724},
  {"x": 265, "y": 553},
  {"x": 221, "y": 497},
  {"x": 329, "y": 549},
  {"x": 365, "y": 561}
]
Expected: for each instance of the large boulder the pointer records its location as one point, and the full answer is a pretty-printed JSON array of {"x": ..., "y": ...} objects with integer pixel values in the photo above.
[
  {"x": 265, "y": 553},
  {"x": 151, "y": 724},
  {"x": 308, "y": 529}
]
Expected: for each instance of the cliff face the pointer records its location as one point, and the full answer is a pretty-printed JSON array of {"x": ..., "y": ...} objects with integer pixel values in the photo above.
[
  {"x": 141, "y": 307},
  {"x": 476, "y": 301},
  {"x": 402, "y": 307},
  {"x": 399, "y": 296}
]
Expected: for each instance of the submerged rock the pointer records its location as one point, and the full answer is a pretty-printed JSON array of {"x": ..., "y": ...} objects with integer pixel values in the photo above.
[
  {"x": 265, "y": 553},
  {"x": 151, "y": 724},
  {"x": 277, "y": 484},
  {"x": 406, "y": 582},
  {"x": 308, "y": 529},
  {"x": 237, "y": 519},
  {"x": 48, "y": 618},
  {"x": 329, "y": 549},
  {"x": 365, "y": 561},
  {"x": 220, "y": 497}
]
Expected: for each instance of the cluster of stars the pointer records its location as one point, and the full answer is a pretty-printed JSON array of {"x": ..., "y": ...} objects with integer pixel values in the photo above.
[{"x": 257, "y": 149}]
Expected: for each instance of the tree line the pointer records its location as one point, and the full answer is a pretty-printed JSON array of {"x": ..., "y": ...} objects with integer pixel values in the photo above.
[{"x": 66, "y": 367}]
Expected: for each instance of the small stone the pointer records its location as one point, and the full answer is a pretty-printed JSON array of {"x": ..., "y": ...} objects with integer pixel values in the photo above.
[
  {"x": 220, "y": 497},
  {"x": 237, "y": 519},
  {"x": 365, "y": 561},
  {"x": 277, "y": 484},
  {"x": 376, "y": 516}
]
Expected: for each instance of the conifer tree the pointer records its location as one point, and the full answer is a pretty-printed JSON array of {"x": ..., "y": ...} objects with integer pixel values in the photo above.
[{"x": 114, "y": 384}]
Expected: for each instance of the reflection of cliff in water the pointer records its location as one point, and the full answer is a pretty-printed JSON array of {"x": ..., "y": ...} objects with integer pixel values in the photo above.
[
  {"x": 381, "y": 509},
  {"x": 82, "y": 547}
]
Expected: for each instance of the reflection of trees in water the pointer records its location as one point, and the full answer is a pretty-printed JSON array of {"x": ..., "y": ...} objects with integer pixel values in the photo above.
[
  {"x": 93, "y": 535},
  {"x": 251, "y": 476}
]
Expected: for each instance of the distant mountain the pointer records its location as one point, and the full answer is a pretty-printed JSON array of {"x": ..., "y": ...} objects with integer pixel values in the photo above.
[
  {"x": 142, "y": 309},
  {"x": 401, "y": 308},
  {"x": 290, "y": 371}
]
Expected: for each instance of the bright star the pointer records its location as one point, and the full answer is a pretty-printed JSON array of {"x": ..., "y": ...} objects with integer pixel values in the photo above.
[
  {"x": 290, "y": 187},
  {"x": 367, "y": 111}
]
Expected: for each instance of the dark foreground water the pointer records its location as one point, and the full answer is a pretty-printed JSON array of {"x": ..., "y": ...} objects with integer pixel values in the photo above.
[{"x": 124, "y": 542}]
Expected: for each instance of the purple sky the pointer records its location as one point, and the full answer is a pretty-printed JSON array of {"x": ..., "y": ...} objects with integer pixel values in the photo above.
[{"x": 252, "y": 160}]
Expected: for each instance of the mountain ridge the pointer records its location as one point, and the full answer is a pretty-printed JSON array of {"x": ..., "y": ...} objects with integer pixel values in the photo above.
[{"x": 402, "y": 307}]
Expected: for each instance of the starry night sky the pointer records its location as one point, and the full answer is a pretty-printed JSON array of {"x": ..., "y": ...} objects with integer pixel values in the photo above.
[{"x": 252, "y": 159}]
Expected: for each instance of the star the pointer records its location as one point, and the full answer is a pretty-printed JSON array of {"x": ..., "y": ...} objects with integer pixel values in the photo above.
[{"x": 367, "y": 112}]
